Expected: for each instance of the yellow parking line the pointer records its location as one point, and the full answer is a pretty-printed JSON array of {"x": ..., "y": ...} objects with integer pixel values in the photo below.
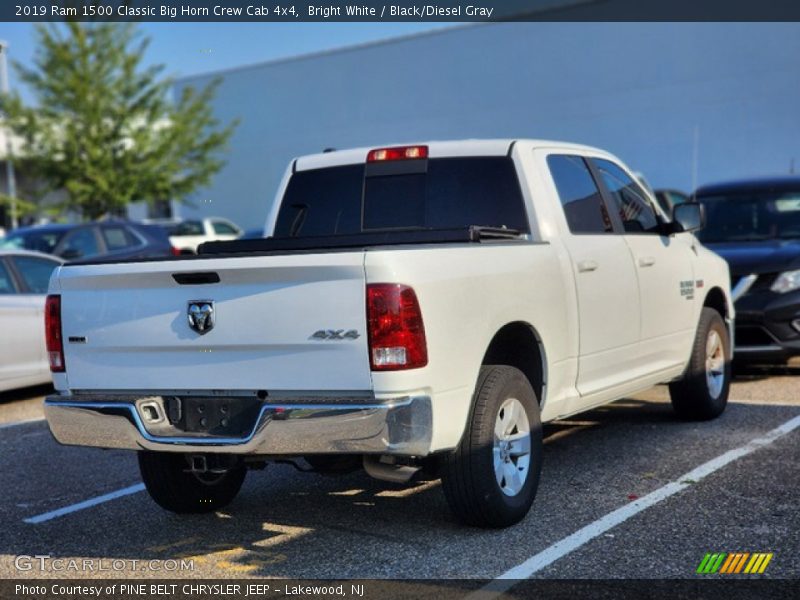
[{"x": 405, "y": 493}]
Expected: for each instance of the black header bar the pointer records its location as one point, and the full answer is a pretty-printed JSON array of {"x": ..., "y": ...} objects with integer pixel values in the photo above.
[{"x": 295, "y": 11}]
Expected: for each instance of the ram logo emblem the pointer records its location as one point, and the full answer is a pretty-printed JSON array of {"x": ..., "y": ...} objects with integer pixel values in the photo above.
[
  {"x": 335, "y": 334},
  {"x": 201, "y": 315}
]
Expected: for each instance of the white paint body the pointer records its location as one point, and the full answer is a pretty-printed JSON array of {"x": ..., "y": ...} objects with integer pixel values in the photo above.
[
  {"x": 23, "y": 360},
  {"x": 617, "y": 329},
  {"x": 23, "y": 357}
]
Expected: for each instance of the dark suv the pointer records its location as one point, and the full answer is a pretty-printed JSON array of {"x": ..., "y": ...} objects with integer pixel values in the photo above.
[
  {"x": 755, "y": 226},
  {"x": 103, "y": 240}
]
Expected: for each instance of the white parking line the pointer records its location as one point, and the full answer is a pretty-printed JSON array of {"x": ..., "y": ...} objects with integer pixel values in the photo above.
[
  {"x": 53, "y": 514},
  {"x": 17, "y": 423},
  {"x": 561, "y": 548}
]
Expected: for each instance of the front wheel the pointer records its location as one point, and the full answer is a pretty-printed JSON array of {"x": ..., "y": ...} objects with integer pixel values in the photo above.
[
  {"x": 702, "y": 393},
  {"x": 491, "y": 479},
  {"x": 175, "y": 487}
]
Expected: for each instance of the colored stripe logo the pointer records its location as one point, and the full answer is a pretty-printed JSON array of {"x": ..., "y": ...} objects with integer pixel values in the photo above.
[{"x": 734, "y": 563}]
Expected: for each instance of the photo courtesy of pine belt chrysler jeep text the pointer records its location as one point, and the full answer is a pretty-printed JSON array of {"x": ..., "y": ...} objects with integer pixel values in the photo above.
[{"x": 415, "y": 310}]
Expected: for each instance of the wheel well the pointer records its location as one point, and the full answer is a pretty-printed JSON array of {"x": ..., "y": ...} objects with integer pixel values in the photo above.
[
  {"x": 716, "y": 299},
  {"x": 518, "y": 345}
]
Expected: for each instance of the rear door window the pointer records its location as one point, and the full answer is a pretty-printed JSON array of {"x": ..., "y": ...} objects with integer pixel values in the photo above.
[
  {"x": 440, "y": 193},
  {"x": 118, "y": 238},
  {"x": 80, "y": 243}
]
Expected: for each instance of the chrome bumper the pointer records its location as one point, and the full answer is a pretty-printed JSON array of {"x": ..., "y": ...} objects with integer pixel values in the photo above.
[{"x": 400, "y": 426}]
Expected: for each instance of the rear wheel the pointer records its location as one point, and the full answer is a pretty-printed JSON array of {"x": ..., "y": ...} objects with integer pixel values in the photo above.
[
  {"x": 491, "y": 479},
  {"x": 702, "y": 393},
  {"x": 174, "y": 487}
]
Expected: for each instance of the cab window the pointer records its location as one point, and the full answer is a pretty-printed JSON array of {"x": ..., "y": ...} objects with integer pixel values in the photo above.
[{"x": 583, "y": 205}]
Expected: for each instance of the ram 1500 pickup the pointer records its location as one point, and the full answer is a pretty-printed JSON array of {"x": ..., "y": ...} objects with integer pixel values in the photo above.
[{"x": 415, "y": 309}]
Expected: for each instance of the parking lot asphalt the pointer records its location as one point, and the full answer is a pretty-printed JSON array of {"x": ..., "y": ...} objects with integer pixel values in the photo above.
[{"x": 611, "y": 461}]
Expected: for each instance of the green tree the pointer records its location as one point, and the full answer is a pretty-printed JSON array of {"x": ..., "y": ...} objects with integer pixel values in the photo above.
[{"x": 104, "y": 128}]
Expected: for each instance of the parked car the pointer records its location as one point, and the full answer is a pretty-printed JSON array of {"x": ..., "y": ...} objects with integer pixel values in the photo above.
[
  {"x": 668, "y": 199},
  {"x": 417, "y": 307},
  {"x": 186, "y": 236},
  {"x": 755, "y": 226},
  {"x": 23, "y": 286},
  {"x": 103, "y": 240}
]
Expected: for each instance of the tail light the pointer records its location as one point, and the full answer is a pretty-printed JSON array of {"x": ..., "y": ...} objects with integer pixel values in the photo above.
[
  {"x": 52, "y": 328},
  {"x": 397, "y": 153},
  {"x": 396, "y": 332},
  {"x": 174, "y": 251}
]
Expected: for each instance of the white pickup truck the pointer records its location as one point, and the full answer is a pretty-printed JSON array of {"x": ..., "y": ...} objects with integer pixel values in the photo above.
[{"x": 416, "y": 309}]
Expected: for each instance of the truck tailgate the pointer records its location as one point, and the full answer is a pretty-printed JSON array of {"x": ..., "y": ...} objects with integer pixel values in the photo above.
[{"x": 126, "y": 327}]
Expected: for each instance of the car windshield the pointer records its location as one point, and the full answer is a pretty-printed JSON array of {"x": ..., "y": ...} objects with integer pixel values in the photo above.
[
  {"x": 40, "y": 241},
  {"x": 751, "y": 216},
  {"x": 187, "y": 228}
]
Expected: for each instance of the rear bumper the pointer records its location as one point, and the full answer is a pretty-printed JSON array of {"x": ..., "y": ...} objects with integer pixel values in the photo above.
[{"x": 400, "y": 426}]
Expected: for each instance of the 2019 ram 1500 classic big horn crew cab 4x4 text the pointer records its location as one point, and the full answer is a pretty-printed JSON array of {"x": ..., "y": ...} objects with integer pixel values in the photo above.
[{"x": 415, "y": 307}]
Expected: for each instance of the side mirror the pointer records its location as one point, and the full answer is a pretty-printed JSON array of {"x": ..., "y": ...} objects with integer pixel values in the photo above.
[{"x": 689, "y": 216}]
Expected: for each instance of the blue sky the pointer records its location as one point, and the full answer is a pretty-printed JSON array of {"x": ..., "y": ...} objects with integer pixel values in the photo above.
[{"x": 190, "y": 48}]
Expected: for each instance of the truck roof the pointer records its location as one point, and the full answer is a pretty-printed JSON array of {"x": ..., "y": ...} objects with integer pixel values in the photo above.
[{"x": 436, "y": 149}]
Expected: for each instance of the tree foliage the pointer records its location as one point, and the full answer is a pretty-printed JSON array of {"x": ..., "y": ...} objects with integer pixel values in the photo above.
[
  {"x": 105, "y": 128},
  {"x": 23, "y": 208}
]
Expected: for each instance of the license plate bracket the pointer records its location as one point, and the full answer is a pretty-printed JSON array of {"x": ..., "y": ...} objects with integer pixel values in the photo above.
[{"x": 218, "y": 417}]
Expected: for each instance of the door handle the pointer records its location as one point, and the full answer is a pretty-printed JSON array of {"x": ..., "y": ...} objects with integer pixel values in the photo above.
[
  {"x": 646, "y": 261},
  {"x": 587, "y": 266}
]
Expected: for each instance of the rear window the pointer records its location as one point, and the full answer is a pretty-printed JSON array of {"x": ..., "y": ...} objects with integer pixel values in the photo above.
[{"x": 440, "y": 193}]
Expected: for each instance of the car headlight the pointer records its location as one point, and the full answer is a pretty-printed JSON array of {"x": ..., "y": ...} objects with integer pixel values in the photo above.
[{"x": 787, "y": 281}]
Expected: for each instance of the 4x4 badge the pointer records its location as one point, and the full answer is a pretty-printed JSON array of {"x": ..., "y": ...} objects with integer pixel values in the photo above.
[
  {"x": 201, "y": 315},
  {"x": 335, "y": 334}
]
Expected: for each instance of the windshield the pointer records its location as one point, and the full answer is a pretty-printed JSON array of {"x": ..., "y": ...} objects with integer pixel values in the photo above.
[
  {"x": 40, "y": 241},
  {"x": 187, "y": 228},
  {"x": 751, "y": 216},
  {"x": 440, "y": 193}
]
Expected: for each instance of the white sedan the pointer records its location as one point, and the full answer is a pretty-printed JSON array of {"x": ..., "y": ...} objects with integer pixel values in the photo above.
[
  {"x": 24, "y": 277},
  {"x": 186, "y": 236}
]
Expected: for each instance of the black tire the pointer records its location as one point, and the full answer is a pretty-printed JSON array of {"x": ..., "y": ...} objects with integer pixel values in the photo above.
[
  {"x": 692, "y": 396},
  {"x": 468, "y": 472},
  {"x": 165, "y": 477}
]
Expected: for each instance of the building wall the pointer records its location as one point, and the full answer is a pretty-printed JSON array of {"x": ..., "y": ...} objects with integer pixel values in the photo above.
[{"x": 655, "y": 94}]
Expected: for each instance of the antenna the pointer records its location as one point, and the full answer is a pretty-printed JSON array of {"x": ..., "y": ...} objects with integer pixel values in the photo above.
[{"x": 695, "y": 155}]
